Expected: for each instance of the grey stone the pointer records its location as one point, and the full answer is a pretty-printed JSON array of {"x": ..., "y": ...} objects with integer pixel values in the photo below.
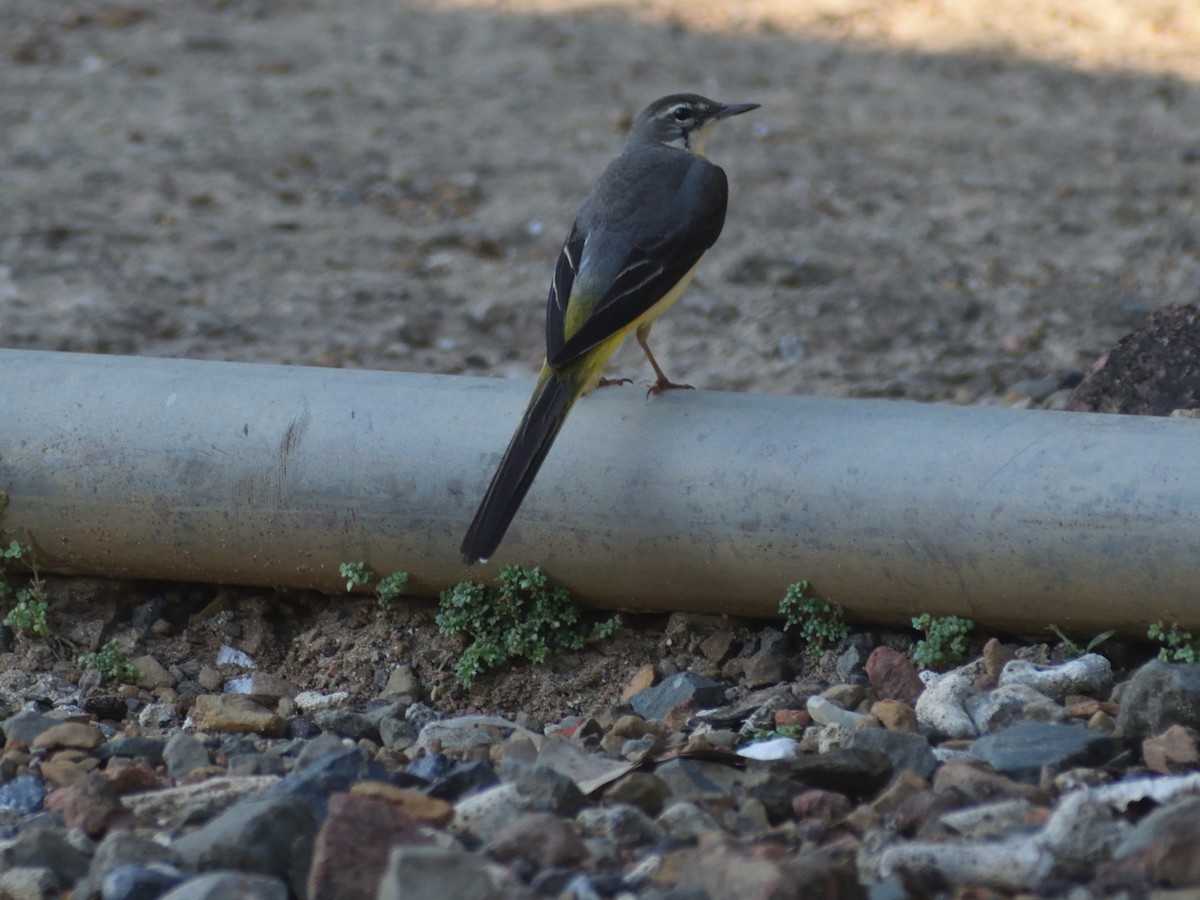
[
  {"x": 402, "y": 685},
  {"x": 26, "y": 725},
  {"x": 1022, "y": 750},
  {"x": 268, "y": 835},
  {"x": 436, "y": 873},
  {"x": 464, "y": 778},
  {"x": 689, "y": 779},
  {"x": 1011, "y": 704},
  {"x": 1090, "y": 674},
  {"x": 149, "y": 749},
  {"x": 647, "y": 792},
  {"x": 318, "y": 748},
  {"x": 140, "y": 882},
  {"x": 770, "y": 665},
  {"x": 45, "y": 848},
  {"x": 314, "y": 784},
  {"x": 857, "y": 772},
  {"x": 183, "y": 754},
  {"x": 1158, "y": 696},
  {"x": 122, "y": 849},
  {"x": 687, "y": 821},
  {"x": 906, "y": 751},
  {"x": 397, "y": 734},
  {"x": 545, "y": 789},
  {"x": 347, "y": 723},
  {"x": 624, "y": 825},
  {"x": 28, "y": 883},
  {"x": 1164, "y": 848},
  {"x": 852, "y": 662},
  {"x": 229, "y": 885},
  {"x": 24, "y": 794},
  {"x": 685, "y": 687}
]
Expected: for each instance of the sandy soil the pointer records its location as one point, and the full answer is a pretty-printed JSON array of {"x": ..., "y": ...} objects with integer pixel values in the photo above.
[{"x": 938, "y": 199}]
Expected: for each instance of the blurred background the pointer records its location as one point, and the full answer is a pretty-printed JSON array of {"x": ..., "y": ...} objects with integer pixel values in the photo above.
[{"x": 963, "y": 201}]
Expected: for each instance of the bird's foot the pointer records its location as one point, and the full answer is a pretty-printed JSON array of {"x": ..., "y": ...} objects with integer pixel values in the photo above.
[
  {"x": 610, "y": 382},
  {"x": 663, "y": 385}
]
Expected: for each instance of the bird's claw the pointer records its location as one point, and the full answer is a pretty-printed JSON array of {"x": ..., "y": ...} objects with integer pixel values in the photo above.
[
  {"x": 610, "y": 382},
  {"x": 659, "y": 386}
]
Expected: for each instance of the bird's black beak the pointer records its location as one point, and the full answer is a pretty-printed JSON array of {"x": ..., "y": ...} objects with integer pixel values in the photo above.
[{"x": 734, "y": 109}]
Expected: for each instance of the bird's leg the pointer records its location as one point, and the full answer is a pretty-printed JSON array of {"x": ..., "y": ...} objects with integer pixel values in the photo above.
[{"x": 663, "y": 383}]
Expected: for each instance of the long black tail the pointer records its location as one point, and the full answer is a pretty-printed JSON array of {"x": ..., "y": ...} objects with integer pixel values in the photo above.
[{"x": 547, "y": 410}]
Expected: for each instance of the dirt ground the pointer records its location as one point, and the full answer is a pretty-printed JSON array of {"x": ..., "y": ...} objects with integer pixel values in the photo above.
[{"x": 937, "y": 200}]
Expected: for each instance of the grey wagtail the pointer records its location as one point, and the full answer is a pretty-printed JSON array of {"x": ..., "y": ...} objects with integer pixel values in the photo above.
[{"x": 633, "y": 249}]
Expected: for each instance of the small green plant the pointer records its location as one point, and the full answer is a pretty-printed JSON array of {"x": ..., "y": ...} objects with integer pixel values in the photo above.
[
  {"x": 1073, "y": 649},
  {"x": 1177, "y": 645},
  {"x": 522, "y": 617},
  {"x": 29, "y": 614},
  {"x": 111, "y": 662},
  {"x": 945, "y": 642},
  {"x": 819, "y": 621},
  {"x": 386, "y": 590}
]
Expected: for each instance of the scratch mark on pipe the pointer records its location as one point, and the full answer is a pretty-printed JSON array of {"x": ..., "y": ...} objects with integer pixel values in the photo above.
[{"x": 292, "y": 437}]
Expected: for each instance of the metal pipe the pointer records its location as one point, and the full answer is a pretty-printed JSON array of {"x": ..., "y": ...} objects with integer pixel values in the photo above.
[{"x": 272, "y": 475}]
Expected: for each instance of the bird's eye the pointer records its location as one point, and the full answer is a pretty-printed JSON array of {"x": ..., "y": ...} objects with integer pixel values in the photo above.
[{"x": 682, "y": 114}]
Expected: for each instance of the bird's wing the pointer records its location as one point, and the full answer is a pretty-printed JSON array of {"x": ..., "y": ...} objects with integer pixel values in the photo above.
[{"x": 579, "y": 317}]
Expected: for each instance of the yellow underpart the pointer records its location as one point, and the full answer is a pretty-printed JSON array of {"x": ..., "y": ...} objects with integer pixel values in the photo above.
[{"x": 588, "y": 369}]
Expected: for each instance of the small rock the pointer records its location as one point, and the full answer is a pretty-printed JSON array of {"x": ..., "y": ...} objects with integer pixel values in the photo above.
[
  {"x": 183, "y": 754},
  {"x": 419, "y": 807},
  {"x": 647, "y": 792},
  {"x": 397, "y": 734},
  {"x": 29, "y": 883},
  {"x": 769, "y": 665},
  {"x": 23, "y": 795},
  {"x": 1153, "y": 371},
  {"x": 893, "y": 675},
  {"x": 546, "y": 790},
  {"x": 1088, "y": 674},
  {"x": 66, "y": 767},
  {"x": 1164, "y": 847},
  {"x": 642, "y": 680},
  {"x": 940, "y": 708},
  {"x": 895, "y": 715},
  {"x": 149, "y": 749},
  {"x": 91, "y": 803},
  {"x": 540, "y": 838},
  {"x": 791, "y": 718},
  {"x": 157, "y": 715},
  {"x": 717, "y": 647},
  {"x": 825, "y": 712},
  {"x": 437, "y": 873},
  {"x": 268, "y": 835},
  {"x": 686, "y": 688},
  {"x": 1022, "y": 750},
  {"x": 995, "y": 657},
  {"x": 992, "y": 820},
  {"x": 621, "y": 823},
  {"x": 45, "y": 848},
  {"x": 403, "y": 686},
  {"x": 482, "y": 814},
  {"x": 464, "y": 778},
  {"x": 824, "y": 808},
  {"x": 1175, "y": 750},
  {"x": 852, "y": 661},
  {"x": 131, "y": 881},
  {"x": 1158, "y": 696},
  {"x": 233, "y": 713},
  {"x": 311, "y": 702},
  {"x": 263, "y": 688},
  {"x": 352, "y": 848},
  {"x": 1011, "y": 704},
  {"x": 151, "y": 673},
  {"x": 68, "y": 735},
  {"x": 977, "y": 783},
  {"x": 331, "y": 773},
  {"x": 131, "y": 777},
  {"x": 906, "y": 785},
  {"x": 906, "y": 751},
  {"x": 231, "y": 656},
  {"x": 854, "y": 772},
  {"x": 121, "y": 849},
  {"x": 847, "y": 696},
  {"x": 25, "y": 726},
  {"x": 225, "y": 885},
  {"x": 348, "y": 723},
  {"x": 686, "y": 821},
  {"x": 461, "y": 735}
]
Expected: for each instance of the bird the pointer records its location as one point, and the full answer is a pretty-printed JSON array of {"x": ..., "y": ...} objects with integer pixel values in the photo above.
[{"x": 632, "y": 250}]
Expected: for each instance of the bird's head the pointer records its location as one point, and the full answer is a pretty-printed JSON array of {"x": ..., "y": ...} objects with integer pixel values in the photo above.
[{"x": 683, "y": 120}]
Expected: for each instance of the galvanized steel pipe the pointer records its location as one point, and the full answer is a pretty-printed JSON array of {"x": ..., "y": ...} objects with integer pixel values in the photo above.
[{"x": 272, "y": 475}]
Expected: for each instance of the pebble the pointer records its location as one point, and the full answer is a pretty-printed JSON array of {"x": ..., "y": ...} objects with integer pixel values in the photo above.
[{"x": 984, "y": 779}]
